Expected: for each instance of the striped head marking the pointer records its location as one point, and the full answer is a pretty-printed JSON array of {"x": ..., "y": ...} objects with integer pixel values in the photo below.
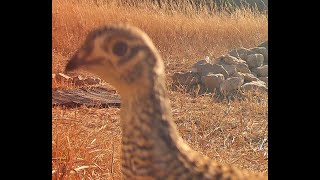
[{"x": 119, "y": 54}]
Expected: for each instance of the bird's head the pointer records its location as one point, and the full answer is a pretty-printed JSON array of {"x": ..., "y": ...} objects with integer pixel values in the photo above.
[{"x": 122, "y": 55}]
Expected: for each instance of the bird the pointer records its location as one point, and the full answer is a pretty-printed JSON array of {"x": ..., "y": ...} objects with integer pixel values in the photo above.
[{"x": 152, "y": 148}]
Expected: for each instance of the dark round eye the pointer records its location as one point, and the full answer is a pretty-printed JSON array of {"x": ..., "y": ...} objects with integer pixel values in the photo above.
[{"x": 120, "y": 48}]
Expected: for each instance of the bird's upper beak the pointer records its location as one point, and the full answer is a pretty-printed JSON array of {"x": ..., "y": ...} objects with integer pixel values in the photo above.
[{"x": 74, "y": 63}]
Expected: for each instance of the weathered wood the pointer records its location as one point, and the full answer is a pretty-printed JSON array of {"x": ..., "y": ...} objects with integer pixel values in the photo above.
[{"x": 89, "y": 96}]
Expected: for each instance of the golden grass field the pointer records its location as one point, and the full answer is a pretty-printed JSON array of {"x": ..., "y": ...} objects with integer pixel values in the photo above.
[{"x": 86, "y": 142}]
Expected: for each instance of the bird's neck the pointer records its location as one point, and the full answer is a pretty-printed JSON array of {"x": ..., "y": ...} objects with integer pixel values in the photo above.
[{"x": 147, "y": 123}]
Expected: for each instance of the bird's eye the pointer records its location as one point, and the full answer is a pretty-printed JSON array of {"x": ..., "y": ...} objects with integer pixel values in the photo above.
[{"x": 120, "y": 48}]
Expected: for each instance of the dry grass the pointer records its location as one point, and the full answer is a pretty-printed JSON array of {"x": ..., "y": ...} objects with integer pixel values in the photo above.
[
  {"x": 86, "y": 141},
  {"x": 181, "y": 38}
]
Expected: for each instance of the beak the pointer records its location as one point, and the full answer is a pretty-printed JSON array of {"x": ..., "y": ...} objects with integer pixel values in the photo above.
[{"x": 74, "y": 63}]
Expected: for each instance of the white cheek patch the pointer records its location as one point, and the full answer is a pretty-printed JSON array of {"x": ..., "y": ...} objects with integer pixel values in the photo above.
[
  {"x": 97, "y": 51},
  {"x": 140, "y": 55}
]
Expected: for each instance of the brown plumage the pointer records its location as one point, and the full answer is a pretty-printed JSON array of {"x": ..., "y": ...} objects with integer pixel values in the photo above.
[{"x": 125, "y": 57}]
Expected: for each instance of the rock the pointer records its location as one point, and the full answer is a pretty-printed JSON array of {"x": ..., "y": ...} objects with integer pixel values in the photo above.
[
  {"x": 255, "y": 60},
  {"x": 219, "y": 60},
  {"x": 255, "y": 74},
  {"x": 238, "y": 52},
  {"x": 243, "y": 68},
  {"x": 201, "y": 89},
  {"x": 263, "y": 51},
  {"x": 63, "y": 77},
  {"x": 237, "y": 74},
  {"x": 227, "y": 59},
  {"x": 205, "y": 69},
  {"x": 230, "y": 85},
  {"x": 247, "y": 77},
  {"x": 231, "y": 69},
  {"x": 255, "y": 85},
  {"x": 187, "y": 78},
  {"x": 264, "y": 44},
  {"x": 261, "y": 71},
  {"x": 195, "y": 65},
  {"x": 212, "y": 81},
  {"x": 264, "y": 79},
  {"x": 78, "y": 80},
  {"x": 241, "y": 53},
  {"x": 54, "y": 76},
  {"x": 81, "y": 80},
  {"x": 92, "y": 81}
]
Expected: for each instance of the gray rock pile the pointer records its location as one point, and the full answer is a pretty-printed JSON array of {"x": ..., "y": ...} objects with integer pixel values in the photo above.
[{"x": 239, "y": 69}]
